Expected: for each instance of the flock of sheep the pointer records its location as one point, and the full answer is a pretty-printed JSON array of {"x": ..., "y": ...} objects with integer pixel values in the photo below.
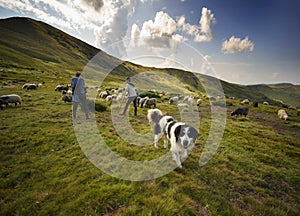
[
  {"x": 184, "y": 103},
  {"x": 109, "y": 94}
]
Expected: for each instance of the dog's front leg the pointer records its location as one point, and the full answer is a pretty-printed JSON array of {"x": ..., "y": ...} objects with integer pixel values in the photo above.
[
  {"x": 177, "y": 159},
  {"x": 184, "y": 154}
]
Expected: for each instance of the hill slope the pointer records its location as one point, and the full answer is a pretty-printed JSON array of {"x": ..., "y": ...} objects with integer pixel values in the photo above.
[
  {"x": 284, "y": 93},
  {"x": 27, "y": 43}
]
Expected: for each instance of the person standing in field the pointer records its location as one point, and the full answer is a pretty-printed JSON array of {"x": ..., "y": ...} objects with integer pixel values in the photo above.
[
  {"x": 79, "y": 95},
  {"x": 132, "y": 96}
]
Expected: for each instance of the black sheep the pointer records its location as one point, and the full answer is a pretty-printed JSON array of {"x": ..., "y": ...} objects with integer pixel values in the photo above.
[{"x": 240, "y": 111}]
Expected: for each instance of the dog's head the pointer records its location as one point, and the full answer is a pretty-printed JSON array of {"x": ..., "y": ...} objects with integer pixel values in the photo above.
[{"x": 186, "y": 135}]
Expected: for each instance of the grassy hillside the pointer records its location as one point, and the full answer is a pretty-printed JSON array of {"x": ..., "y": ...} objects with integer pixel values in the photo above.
[
  {"x": 255, "y": 170},
  {"x": 43, "y": 170},
  {"x": 284, "y": 93}
]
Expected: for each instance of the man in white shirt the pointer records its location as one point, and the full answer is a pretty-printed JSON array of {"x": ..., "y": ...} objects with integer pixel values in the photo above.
[{"x": 132, "y": 96}]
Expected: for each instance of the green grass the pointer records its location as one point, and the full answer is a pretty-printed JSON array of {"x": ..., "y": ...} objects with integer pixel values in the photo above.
[{"x": 43, "y": 170}]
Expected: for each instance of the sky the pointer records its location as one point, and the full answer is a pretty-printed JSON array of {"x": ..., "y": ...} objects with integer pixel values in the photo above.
[{"x": 239, "y": 41}]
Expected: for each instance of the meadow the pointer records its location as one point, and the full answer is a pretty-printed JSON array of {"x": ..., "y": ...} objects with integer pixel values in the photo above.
[{"x": 255, "y": 170}]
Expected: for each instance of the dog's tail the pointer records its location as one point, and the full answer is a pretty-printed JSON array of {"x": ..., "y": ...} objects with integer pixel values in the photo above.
[{"x": 154, "y": 115}]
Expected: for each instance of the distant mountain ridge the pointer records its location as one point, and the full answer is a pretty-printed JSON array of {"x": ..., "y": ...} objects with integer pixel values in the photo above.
[{"x": 30, "y": 44}]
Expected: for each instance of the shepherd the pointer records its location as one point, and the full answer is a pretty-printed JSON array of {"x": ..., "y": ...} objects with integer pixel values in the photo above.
[
  {"x": 79, "y": 95},
  {"x": 132, "y": 96}
]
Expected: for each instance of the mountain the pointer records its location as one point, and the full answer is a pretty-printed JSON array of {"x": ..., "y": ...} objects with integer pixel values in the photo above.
[
  {"x": 27, "y": 44},
  {"x": 284, "y": 93}
]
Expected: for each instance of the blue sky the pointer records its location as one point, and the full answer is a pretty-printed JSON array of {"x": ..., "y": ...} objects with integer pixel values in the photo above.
[{"x": 244, "y": 42}]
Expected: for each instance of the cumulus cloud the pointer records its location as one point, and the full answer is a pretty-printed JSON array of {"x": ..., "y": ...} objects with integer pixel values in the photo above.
[
  {"x": 160, "y": 33},
  {"x": 237, "y": 45},
  {"x": 201, "y": 32}
]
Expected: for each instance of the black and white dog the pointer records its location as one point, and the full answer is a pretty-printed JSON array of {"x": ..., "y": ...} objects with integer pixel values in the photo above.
[{"x": 182, "y": 136}]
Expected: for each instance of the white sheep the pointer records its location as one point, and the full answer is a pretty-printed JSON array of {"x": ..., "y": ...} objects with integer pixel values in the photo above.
[
  {"x": 12, "y": 98},
  {"x": 182, "y": 106},
  {"x": 174, "y": 99},
  {"x": 282, "y": 114},
  {"x": 245, "y": 101},
  {"x": 199, "y": 101},
  {"x": 142, "y": 101},
  {"x": 266, "y": 103}
]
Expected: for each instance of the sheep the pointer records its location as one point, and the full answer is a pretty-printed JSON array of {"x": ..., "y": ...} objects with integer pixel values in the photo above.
[
  {"x": 199, "y": 101},
  {"x": 12, "y": 98},
  {"x": 173, "y": 99},
  {"x": 298, "y": 112},
  {"x": 120, "y": 97},
  {"x": 104, "y": 94},
  {"x": 109, "y": 98},
  {"x": 211, "y": 98},
  {"x": 142, "y": 101},
  {"x": 245, "y": 101},
  {"x": 32, "y": 87},
  {"x": 255, "y": 104},
  {"x": 149, "y": 102},
  {"x": 282, "y": 114},
  {"x": 266, "y": 103},
  {"x": 61, "y": 87},
  {"x": 240, "y": 111},
  {"x": 191, "y": 100},
  {"x": 66, "y": 98},
  {"x": 69, "y": 92},
  {"x": 25, "y": 85}
]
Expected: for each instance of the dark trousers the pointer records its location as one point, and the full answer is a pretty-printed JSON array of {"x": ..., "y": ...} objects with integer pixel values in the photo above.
[
  {"x": 131, "y": 99},
  {"x": 83, "y": 104}
]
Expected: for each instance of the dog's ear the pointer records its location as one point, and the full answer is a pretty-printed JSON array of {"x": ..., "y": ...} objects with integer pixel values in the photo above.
[
  {"x": 177, "y": 132},
  {"x": 194, "y": 133}
]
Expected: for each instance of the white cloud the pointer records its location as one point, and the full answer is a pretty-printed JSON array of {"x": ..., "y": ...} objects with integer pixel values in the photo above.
[
  {"x": 201, "y": 32},
  {"x": 237, "y": 45},
  {"x": 159, "y": 33}
]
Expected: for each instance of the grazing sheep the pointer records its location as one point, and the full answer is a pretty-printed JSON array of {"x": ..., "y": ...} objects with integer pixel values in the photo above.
[
  {"x": 109, "y": 98},
  {"x": 173, "y": 99},
  {"x": 104, "y": 94},
  {"x": 66, "y": 98},
  {"x": 149, "y": 102},
  {"x": 61, "y": 87},
  {"x": 199, "y": 102},
  {"x": 282, "y": 114},
  {"x": 69, "y": 92},
  {"x": 32, "y": 87},
  {"x": 292, "y": 108},
  {"x": 25, "y": 85},
  {"x": 190, "y": 100},
  {"x": 245, "y": 101},
  {"x": 240, "y": 111},
  {"x": 120, "y": 97},
  {"x": 12, "y": 98},
  {"x": 255, "y": 104},
  {"x": 211, "y": 98},
  {"x": 142, "y": 101},
  {"x": 266, "y": 103},
  {"x": 182, "y": 106}
]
